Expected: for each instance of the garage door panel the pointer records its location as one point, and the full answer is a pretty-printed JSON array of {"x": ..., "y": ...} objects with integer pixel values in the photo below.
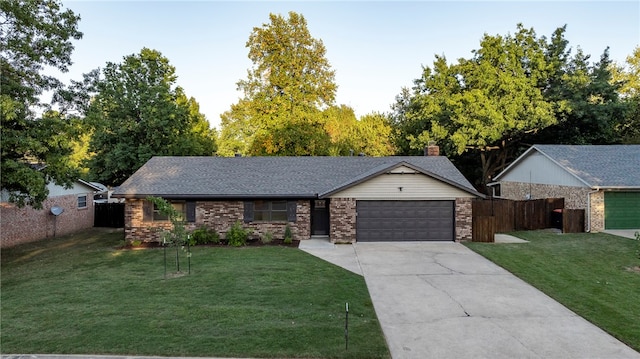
[
  {"x": 622, "y": 210},
  {"x": 405, "y": 221}
]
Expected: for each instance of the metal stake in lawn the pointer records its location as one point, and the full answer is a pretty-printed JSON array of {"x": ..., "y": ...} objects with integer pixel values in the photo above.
[{"x": 346, "y": 327}]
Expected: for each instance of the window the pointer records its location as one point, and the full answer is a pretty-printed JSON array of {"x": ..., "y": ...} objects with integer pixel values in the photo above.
[
  {"x": 270, "y": 211},
  {"x": 151, "y": 212},
  {"x": 496, "y": 190},
  {"x": 82, "y": 202}
]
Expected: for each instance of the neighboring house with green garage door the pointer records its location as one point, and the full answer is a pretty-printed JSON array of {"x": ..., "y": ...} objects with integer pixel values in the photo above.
[
  {"x": 602, "y": 179},
  {"x": 347, "y": 199}
]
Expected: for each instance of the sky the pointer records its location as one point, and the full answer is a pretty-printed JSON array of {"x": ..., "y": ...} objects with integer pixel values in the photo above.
[{"x": 375, "y": 47}]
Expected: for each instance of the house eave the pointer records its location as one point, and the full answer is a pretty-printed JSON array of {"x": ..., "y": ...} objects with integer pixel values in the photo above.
[
  {"x": 212, "y": 197},
  {"x": 616, "y": 188}
]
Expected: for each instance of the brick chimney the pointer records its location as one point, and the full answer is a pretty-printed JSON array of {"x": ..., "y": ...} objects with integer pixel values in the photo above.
[{"x": 432, "y": 149}]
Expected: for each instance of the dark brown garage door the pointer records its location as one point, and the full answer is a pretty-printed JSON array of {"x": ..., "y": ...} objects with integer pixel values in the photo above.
[{"x": 404, "y": 221}]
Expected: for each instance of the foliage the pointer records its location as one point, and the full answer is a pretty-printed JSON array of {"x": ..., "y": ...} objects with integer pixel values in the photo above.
[
  {"x": 204, "y": 235},
  {"x": 587, "y": 106},
  {"x": 137, "y": 112},
  {"x": 637, "y": 235},
  {"x": 485, "y": 104},
  {"x": 177, "y": 235},
  {"x": 288, "y": 235},
  {"x": 267, "y": 238},
  {"x": 34, "y": 148},
  {"x": 286, "y": 89},
  {"x": 369, "y": 135},
  {"x": 628, "y": 78},
  {"x": 215, "y": 313},
  {"x": 237, "y": 236},
  {"x": 516, "y": 90},
  {"x": 586, "y": 272}
]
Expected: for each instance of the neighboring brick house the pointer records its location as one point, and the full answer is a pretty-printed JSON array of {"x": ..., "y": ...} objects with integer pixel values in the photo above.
[
  {"x": 22, "y": 225},
  {"x": 604, "y": 180},
  {"x": 346, "y": 199}
]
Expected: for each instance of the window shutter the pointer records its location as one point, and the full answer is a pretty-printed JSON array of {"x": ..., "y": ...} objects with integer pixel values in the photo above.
[
  {"x": 191, "y": 212},
  {"x": 147, "y": 211},
  {"x": 248, "y": 211},
  {"x": 291, "y": 211}
]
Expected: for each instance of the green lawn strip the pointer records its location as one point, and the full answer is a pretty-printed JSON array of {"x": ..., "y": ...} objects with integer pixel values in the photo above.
[
  {"x": 78, "y": 295},
  {"x": 587, "y": 272}
]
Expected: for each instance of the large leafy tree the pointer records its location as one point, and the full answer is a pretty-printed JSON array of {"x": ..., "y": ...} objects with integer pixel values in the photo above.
[
  {"x": 370, "y": 135},
  {"x": 34, "y": 34},
  {"x": 287, "y": 88},
  {"x": 138, "y": 112},
  {"x": 628, "y": 77},
  {"x": 484, "y": 105}
]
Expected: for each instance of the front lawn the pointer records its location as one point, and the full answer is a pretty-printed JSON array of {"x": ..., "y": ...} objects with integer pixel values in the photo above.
[
  {"x": 595, "y": 275},
  {"x": 79, "y": 295}
]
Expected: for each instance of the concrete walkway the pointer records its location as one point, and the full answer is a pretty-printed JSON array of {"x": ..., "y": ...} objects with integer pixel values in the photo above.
[
  {"x": 442, "y": 300},
  {"x": 627, "y": 233}
]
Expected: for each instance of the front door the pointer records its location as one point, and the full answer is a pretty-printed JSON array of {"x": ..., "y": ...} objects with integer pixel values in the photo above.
[{"x": 320, "y": 217}]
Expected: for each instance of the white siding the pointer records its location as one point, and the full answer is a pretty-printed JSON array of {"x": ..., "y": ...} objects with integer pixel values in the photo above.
[
  {"x": 538, "y": 169},
  {"x": 415, "y": 186},
  {"x": 77, "y": 188}
]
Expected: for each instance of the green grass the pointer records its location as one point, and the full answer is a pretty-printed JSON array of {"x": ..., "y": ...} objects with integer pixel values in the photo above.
[
  {"x": 588, "y": 273},
  {"x": 79, "y": 295}
]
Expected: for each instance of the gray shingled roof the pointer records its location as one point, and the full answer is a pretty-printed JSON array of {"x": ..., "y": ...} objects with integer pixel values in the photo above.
[
  {"x": 598, "y": 165},
  {"x": 254, "y": 177}
]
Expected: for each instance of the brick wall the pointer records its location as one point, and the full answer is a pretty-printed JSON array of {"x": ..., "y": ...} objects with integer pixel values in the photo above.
[
  {"x": 22, "y": 225},
  {"x": 463, "y": 208},
  {"x": 342, "y": 220},
  {"x": 219, "y": 215}
]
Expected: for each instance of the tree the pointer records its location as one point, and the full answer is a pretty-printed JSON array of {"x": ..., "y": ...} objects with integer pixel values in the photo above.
[
  {"x": 137, "y": 113},
  {"x": 486, "y": 104},
  {"x": 628, "y": 78},
  {"x": 287, "y": 88},
  {"x": 587, "y": 105},
  {"x": 369, "y": 135},
  {"x": 34, "y": 149}
]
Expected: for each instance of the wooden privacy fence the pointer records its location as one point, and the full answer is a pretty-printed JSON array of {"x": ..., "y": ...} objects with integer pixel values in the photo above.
[
  {"x": 510, "y": 215},
  {"x": 108, "y": 215}
]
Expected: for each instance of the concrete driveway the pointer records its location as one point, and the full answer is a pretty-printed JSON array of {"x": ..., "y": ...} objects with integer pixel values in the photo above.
[{"x": 442, "y": 300}]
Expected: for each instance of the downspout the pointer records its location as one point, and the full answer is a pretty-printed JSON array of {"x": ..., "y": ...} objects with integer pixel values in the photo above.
[{"x": 588, "y": 224}]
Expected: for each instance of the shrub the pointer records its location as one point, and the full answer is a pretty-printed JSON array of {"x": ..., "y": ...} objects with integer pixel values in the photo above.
[
  {"x": 204, "y": 235},
  {"x": 267, "y": 238},
  {"x": 288, "y": 235},
  {"x": 237, "y": 236}
]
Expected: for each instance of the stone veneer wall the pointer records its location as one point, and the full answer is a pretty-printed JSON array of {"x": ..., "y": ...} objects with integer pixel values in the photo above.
[
  {"x": 26, "y": 224},
  {"x": 464, "y": 220},
  {"x": 596, "y": 216},
  {"x": 574, "y": 198},
  {"x": 219, "y": 215},
  {"x": 342, "y": 220}
]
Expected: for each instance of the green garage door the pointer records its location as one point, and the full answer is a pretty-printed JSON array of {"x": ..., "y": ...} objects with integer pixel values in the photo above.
[{"x": 621, "y": 210}]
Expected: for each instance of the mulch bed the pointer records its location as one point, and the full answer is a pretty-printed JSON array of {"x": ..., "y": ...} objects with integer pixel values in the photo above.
[{"x": 250, "y": 243}]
